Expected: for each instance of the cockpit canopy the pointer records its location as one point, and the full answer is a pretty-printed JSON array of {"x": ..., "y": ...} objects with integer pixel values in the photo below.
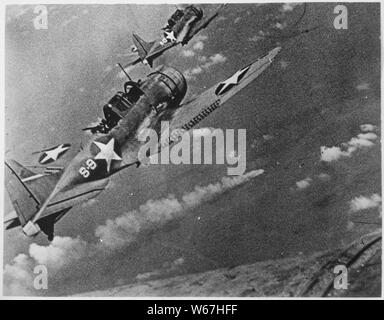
[
  {"x": 176, "y": 16},
  {"x": 122, "y": 102},
  {"x": 196, "y": 11}
]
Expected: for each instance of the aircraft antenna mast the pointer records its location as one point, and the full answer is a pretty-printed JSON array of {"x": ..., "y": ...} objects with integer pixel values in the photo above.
[{"x": 125, "y": 72}]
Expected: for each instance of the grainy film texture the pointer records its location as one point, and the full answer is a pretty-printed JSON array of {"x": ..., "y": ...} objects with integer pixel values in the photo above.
[{"x": 193, "y": 150}]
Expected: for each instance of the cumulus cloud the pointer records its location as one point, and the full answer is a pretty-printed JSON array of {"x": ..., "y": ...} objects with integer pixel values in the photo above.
[
  {"x": 65, "y": 253},
  {"x": 60, "y": 252},
  {"x": 362, "y": 202},
  {"x": 154, "y": 214},
  {"x": 206, "y": 63},
  {"x": 18, "y": 275},
  {"x": 199, "y": 45},
  {"x": 348, "y": 148},
  {"x": 267, "y": 137},
  {"x": 215, "y": 59},
  {"x": 368, "y": 127},
  {"x": 305, "y": 183},
  {"x": 280, "y": 26}
]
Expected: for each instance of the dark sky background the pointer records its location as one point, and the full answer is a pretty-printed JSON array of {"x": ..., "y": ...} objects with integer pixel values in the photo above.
[{"x": 322, "y": 88}]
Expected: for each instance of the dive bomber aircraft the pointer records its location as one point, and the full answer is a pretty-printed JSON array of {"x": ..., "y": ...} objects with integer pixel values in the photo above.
[
  {"x": 40, "y": 200},
  {"x": 182, "y": 26}
]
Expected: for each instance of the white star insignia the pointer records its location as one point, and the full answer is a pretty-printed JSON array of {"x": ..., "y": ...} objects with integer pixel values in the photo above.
[
  {"x": 170, "y": 36},
  {"x": 53, "y": 154},
  {"x": 107, "y": 152},
  {"x": 234, "y": 80}
]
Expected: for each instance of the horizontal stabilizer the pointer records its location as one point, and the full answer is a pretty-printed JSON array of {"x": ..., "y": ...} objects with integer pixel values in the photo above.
[
  {"x": 11, "y": 220},
  {"x": 26, "y": 189}
]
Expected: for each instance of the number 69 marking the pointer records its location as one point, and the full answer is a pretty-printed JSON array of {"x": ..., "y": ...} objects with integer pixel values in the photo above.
[{"x": 90, "y": 165}]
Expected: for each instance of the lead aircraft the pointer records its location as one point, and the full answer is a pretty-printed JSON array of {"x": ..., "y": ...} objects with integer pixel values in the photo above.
[{"x": 40, "y": 200}]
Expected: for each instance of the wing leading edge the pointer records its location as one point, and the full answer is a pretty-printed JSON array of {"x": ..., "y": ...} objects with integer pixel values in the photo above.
[{"x": 194, "y": 111}]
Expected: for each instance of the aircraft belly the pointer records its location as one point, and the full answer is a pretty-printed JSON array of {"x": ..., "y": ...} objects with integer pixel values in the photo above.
[{"x": 74, "y": 196}]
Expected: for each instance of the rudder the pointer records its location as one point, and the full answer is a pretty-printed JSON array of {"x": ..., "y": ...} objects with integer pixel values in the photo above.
[{"x": 142, "y": 46}]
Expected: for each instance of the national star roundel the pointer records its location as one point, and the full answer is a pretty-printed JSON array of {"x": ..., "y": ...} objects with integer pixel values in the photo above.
[
  {"x": 107, "y": 151},
  {"x": 225, "y": 86},
  {"x": 54, "y": 153}
]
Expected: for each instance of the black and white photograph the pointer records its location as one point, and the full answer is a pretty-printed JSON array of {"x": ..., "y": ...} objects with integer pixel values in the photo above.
[{"x": 191, "y": 150}]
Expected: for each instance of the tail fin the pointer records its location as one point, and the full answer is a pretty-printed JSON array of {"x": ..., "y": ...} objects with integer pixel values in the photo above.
[
  {"x": 26, "y": 189},
  {"x": 143, "y": 47}
]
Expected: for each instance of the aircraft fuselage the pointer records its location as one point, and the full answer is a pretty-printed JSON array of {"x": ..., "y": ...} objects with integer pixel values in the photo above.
[
  {"x": 163, "y": 89},
  {"x": 180, "y": 31}
]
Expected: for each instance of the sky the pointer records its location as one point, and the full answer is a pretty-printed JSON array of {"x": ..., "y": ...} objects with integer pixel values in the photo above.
[{"x": 313, "y": 141}]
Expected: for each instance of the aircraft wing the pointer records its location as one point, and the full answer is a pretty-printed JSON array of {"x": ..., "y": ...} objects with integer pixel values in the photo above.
[
  {"x": 205, "y": 22},
  {"x": 152, "y": 54},
  {"x": 159, "y": 49},
  {"x": 194, "y": 111}
]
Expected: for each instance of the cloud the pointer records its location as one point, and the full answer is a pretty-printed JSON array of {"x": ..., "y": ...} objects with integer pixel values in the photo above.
[
  {"x": 362, "y": 203},
  {"x": 63, "y": 251},
  {"x": 267, "y": 137},
  {"x": 60, "y": 252},
  {"x": 188, "y": 53},
  {"x": 206, "y": 63},
  {"x": 280, "y": 26},
  {"x": 199, "y": 45},
  {"x": 363, "y": 86},
  {"x": 305, "y": 183},
  {"x": 64, "y": 254},
  {"x": 17, "y": 276},
  {"x": 287, "y": 7},
  {"x": 332, "y": 154},
  {"x": 154, "y": 214},
  {"x": 215, "y": 59},
  {"x": 368, "y": 127},
  {"x": 348, "y": 148}
]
